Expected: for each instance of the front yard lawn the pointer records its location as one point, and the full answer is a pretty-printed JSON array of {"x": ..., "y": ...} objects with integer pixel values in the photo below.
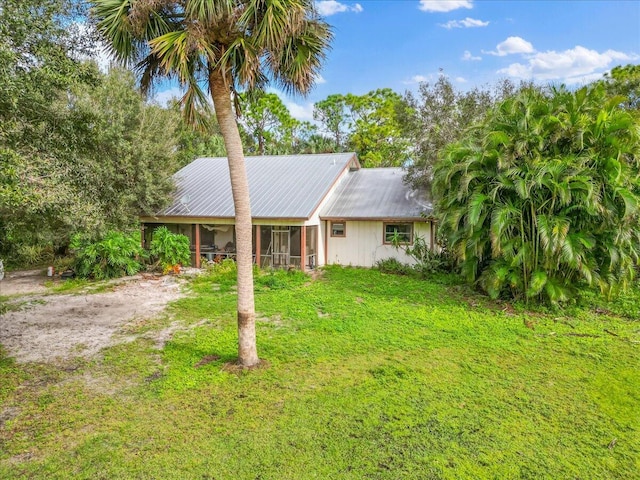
[{"x": 365, "y": 375}]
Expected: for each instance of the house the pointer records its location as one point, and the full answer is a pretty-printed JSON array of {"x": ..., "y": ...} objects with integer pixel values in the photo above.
[{"x": 307, "y": 211}]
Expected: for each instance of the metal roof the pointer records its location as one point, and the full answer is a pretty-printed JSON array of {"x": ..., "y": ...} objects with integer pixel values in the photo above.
[
  {"x": 280, "y": 186},
  {"x": 376, "y": 193}
]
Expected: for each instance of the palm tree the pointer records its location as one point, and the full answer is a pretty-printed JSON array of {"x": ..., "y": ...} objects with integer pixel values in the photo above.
[
  {"x": 225, "y": 45},
  {"x": 544, "y": 195}
]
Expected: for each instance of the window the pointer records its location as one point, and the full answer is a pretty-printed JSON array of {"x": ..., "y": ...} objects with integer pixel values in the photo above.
[
  {"x": 402, "y": 231},
  {"x": 338, "y": 229}
]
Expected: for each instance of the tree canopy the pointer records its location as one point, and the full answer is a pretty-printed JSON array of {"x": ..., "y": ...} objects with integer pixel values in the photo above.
[{"x": 80, "y": 151}]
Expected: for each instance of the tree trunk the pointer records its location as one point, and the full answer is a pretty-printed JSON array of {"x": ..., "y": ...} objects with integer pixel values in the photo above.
[
  {"x": 260, "y": 143},
  {"x": 220, "y": 92}
]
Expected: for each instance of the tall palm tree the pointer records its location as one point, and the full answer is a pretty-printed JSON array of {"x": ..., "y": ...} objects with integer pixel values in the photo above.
[{"x": 226, "y": 46}]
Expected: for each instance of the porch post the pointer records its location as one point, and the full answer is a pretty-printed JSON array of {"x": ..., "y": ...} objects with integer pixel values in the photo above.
[
  {"x": 326, "y": 242},
  {"x": 197, "y": 245},
  {"x": 432, "y": 235},
  {"x": 303, "y": 246},
  {"x": 258, "y": 245},
  {"x": 142, "y": 235}
]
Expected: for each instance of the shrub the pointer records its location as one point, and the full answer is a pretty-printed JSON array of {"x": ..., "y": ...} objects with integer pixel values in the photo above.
[
  {"x": 544, "y": 195},
  {"x": 31, "y": 255},
  {"x": 116, "y": 255},
  {"x": 171, "y": 249},
  {"x": 427, "y": 260},
  {"x": 393, "y": 265}
]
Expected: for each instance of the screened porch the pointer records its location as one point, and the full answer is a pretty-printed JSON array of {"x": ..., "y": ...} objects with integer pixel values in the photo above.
[{"x": 278, "y": 246}]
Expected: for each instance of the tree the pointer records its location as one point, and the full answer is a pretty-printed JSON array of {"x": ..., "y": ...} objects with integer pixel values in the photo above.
[
  {"x": 194, "y": 143},
  {"x": 376, "y": 131},
  {"x": 268, "y": 122},
  {"x": 79, "y": 150},
  {"x": 543, "y": 195},
  {"x": 625, "y": 81},
  {"x": 37, "y": 66},
  {"x": 369, "y": 124},
  {"x": 439, "y": 116},
  {"x": 226, "y": 45},
  {"x": 331, "y": 113}
]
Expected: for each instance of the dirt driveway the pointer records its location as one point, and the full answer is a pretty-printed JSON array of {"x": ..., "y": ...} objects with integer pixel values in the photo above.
[{"x": 60, "y": 326}]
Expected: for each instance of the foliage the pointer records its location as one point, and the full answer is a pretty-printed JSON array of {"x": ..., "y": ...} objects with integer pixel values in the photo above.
[
  {"x": 393, "y": 265},
  {"x": 625, "y": 81},
  {"x": 543, "y": 195},
  {"x": 116, "y": 255},
  {"x": 370, "y": 124},
  {"x": 369, "y": 376},
  {"x": 31, "y": 255},
  {"x": 269, "y": 125},
  {"x": 39, "y": 48},
  {"x": 84, "y": 156},
  {"x": 170, "y": 249},
  {"x": 377, "y": 135},
  {"x": 428, "y": 260},
  {"x": 439, "y": 116},
  {"x": 244, "y": 40},
  {"x": 194, "y": 143},
  {"x": 330, "y": 113}
]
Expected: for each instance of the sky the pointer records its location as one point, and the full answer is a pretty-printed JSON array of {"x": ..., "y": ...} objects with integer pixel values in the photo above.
[{"x": 398, "y": 43}]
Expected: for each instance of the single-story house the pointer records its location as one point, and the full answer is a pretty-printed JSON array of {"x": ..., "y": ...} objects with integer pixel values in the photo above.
[{"x": 307, "y": 211}]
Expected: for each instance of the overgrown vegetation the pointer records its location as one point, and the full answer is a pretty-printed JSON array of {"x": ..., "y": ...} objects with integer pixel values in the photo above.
[
  {"x": 368, "y": 376},
  {"x": 171, "y": 249},
  {"x": 116, "y": 255},
  {"x": 543, "y": 195}
]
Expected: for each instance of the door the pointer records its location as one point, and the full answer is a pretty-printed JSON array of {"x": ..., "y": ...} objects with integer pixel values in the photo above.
[{"x": 280, "y": 243}]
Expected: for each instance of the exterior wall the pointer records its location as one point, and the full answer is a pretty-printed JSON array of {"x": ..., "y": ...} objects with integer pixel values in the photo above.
[{"x": 363, "y": 244}]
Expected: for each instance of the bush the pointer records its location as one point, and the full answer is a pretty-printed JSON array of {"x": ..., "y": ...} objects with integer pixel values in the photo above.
[
  {"x": 428, "y": 261},
  {"x": 114, "y": 256},
  {"x": 171, "y": 249},
  {"x": 544, "y": 196},
  {"x": 33, "y": 255},
  {"x": 393, "y": 265}
]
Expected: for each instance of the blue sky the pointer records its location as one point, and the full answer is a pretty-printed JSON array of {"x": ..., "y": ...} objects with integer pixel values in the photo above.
[{"x": 398, "y": 43}]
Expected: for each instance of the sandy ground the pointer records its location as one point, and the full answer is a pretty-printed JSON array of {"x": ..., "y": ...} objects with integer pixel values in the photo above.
[
  {"x": 25, "y": 281},
  {"x": 61, "y": 326}
]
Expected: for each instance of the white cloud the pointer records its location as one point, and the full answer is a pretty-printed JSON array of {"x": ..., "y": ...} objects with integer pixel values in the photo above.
[
  {"x": 571, "y": 66},
  {"x": 320, "y": 79},
  {"x": 466, "y": 23},
  {"x": 331, "y": 7},
  {"x": 444, "y": 5},
  {"x": 468, "y": 57},
  {"x": 301, "y": 112},
  {"x": 512, "y": 45},
  {"x": 163, "y": 97},
  {"x": 461, "y": 80},
  {"x": 417, "y": 79}
]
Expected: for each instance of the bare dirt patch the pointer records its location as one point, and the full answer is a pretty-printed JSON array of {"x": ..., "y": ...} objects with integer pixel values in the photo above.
[
  {"x": 22, "y": 282},
  {"x": 63, "y": 326}
]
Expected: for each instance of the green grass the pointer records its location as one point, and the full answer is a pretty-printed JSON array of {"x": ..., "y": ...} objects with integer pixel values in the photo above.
[{"x": 368, "y": 376}]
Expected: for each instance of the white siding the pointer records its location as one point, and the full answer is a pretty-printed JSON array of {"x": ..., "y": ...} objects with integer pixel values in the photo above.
[{"x": 363, "y": 244}]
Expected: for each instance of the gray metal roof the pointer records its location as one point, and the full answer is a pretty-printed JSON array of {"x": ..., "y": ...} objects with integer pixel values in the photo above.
[
  {"x": 376, "y": 193},
  {"x": 280, "y": 186}
]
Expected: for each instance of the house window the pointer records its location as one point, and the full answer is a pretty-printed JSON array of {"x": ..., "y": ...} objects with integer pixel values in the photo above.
[
  {"x": 402, "y": 231},
  {"x": 338, "y": 229}
]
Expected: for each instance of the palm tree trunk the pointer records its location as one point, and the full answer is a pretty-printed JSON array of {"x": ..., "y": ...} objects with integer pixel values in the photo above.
[{"x": 220, "y": 93}]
